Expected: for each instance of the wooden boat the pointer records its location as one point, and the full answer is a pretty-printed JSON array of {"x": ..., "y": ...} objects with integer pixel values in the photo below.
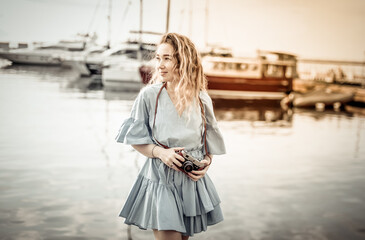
[{"x": 268, "y": 76}]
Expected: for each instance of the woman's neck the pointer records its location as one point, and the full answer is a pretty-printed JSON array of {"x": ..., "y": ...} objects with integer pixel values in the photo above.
[{"x": 170, "y": 86}]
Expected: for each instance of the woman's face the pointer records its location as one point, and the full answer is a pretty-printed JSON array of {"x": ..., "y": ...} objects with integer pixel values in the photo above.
[{"x": 166, "y": 62}]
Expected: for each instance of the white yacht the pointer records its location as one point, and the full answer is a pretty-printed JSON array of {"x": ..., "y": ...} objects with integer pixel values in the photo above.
[
  {"x": 33, "y": 56},
  {"x": 46, "y": 53},
  {"x": 123, "y": 72},
  {"x": 123, "y": 76},
  {"x": 93, "y": 60}
]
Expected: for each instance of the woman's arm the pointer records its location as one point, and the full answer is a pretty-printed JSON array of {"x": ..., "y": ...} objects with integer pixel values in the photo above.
[
  {"x": 167, "y": 156},
  {"x": 209, "y": 158},
  {"x": 145, "y": 149},
  {"x": 172, "y": 159}
]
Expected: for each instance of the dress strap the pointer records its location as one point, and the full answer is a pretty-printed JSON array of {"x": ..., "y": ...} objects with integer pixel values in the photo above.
[
  {"x": 204, "y": 137},
  {"x": 154, "y": 118}
]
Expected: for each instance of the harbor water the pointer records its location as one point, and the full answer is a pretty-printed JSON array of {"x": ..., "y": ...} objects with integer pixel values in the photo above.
[{"x": 295, "y": 174}]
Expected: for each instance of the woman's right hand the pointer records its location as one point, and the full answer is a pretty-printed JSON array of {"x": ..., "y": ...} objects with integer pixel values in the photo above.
[{"x": 170, "y": 157}]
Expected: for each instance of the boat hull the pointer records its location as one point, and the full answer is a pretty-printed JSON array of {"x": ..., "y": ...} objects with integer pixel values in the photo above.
[
  {"x": 230, "y": 94},
  {"x": 78, "y": 66},
  {"x": 249, "y": 84},
  {"x": 327, "y": 98},
  {"x": 121, "y": 79},
  {"x": 31, "y": 58},
  {"x": 264, "y": 88}
]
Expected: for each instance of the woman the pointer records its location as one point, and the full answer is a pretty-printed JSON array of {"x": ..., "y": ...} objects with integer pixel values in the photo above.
[{"x": 172, "y": 114}]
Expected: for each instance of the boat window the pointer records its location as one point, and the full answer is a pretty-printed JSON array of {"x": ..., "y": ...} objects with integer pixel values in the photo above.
[
  {"x": 231, "y": 66},
  {"x": 242, "y": 66},
  {"x": 131, "y": 54},
  {"x": 289, "y": 72},
  {"x": 147, "y": 54},
  {"x": 221, "y": 66},
  {"x": 274, "y": 71},
  {"x": 120, "y": 52},
  {"x": 215, "y": 65},
  {"x": 97, "y": 51}
]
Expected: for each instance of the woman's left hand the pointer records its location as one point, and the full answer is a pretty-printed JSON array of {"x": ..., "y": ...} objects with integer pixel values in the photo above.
[{"x": 196, "y": 175}]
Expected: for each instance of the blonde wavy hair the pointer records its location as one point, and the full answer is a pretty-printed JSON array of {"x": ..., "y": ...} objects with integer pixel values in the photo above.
[{"x": 191, "y": 78}]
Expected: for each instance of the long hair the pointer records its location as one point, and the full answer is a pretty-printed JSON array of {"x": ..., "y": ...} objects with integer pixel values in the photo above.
[{"x": 191, "y": 78}]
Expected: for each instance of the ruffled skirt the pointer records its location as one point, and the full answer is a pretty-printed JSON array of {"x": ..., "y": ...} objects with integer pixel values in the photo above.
[{"x": 165, "y": 199}]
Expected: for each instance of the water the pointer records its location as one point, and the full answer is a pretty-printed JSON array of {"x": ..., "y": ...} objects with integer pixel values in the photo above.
[{"x": 287, "y": 174}]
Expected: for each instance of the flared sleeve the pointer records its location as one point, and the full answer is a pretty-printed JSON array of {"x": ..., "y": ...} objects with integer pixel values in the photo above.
[
  {"x": 135, "y": 129},
  {"x": 215, "y": 142}
]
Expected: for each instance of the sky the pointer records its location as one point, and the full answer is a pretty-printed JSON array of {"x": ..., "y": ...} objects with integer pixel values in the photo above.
[{"x": 324, "y": 29}]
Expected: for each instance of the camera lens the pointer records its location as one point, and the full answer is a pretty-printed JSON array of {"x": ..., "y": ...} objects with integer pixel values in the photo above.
[{"x": 188, "y": 166}]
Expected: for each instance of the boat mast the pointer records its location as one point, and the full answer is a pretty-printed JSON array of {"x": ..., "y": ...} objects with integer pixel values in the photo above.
[
  {"x": 206, "y": 23},
  {"x": 139, "y": 55},
  {"x": 168, "y": 17},
  {"x": 190, "y": 17},
  {"x": 363, "y": 75},
  {"x": 92, "y": 19},
  {"x": 109, "y": 24}
]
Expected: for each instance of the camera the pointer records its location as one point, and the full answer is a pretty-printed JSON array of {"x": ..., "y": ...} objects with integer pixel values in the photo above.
[{"x": 190, "y": 163}]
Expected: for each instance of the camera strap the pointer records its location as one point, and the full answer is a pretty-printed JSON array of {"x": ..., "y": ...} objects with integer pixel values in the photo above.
[{"x": 204, "y": 134}]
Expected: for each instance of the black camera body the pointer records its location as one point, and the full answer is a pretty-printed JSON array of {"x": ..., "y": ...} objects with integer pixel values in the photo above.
[{"x": 190, "y": 163}]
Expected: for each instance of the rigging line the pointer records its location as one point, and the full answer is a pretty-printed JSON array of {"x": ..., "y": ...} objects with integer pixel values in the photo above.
[
  {"x": 182, "y": 18},
  {"x": 124, "y": 15},
  {"x": 93, "y": 17},
  {"x": 190, "y": 18},
  {"x": 182, "y": 13}
]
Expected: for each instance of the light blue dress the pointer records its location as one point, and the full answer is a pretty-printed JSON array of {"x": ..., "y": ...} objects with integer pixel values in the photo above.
[{"x": 161, "y": 197}]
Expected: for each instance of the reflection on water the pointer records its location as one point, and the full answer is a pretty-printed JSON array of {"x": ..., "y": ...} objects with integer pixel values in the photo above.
[
  {"x": 115, "y": 95},
  {"x": 252, "y": 110},
  {"x": 295, "y": 174}
]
